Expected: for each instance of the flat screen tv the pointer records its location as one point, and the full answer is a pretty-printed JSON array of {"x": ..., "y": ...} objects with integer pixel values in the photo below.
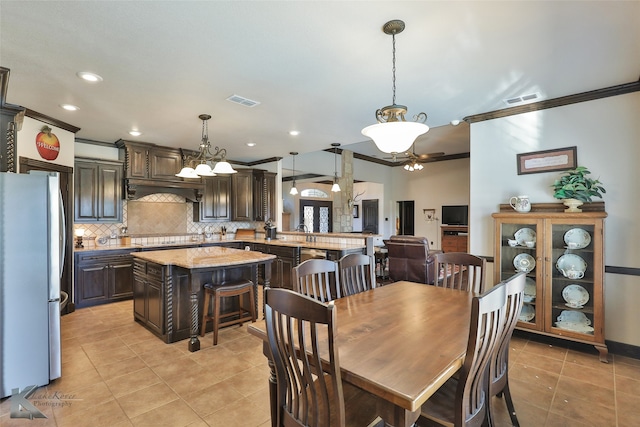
[{"x": 455, "y": 215}]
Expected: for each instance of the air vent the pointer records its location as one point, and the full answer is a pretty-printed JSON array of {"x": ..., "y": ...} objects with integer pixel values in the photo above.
[
  {"x": 242, "y": 101},
  {"x": 522, "y": 99}
]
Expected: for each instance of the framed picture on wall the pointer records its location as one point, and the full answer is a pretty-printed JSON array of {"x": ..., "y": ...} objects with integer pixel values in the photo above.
[
  {"x": 356, "y": 211},
  {"x": 558, "y": 159}
]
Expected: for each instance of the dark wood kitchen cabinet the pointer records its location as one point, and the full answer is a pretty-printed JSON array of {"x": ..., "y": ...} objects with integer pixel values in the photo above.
[
  {"x": 151, "y": 161},
  {"x": 264, "y": 195},
  {"x": 97, "y": 191},
  {"x": 148, "y": 295},
  {"x": 215, "y": 204},
  {"x": 102, "y": 277},
  {"x": 242, "y": 195}
]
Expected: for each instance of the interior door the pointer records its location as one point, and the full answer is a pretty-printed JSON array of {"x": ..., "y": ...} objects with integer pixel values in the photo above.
[
  {"x": 316, "y": 215},
  {"x": 66, "y": 184},
  {"x": 370, "y": 216},
  {"x": 405, "y": 218}
]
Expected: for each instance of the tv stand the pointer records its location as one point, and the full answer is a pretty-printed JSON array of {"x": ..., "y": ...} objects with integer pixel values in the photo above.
[{"x": 454, "y": 238}]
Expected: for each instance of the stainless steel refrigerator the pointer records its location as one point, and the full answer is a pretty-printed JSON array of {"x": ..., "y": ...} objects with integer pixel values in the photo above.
[{"x": 31, "y": 254}]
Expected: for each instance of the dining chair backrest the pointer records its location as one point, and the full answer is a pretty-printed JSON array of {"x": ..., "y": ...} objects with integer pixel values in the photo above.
[
  {"x": 304, "y": 397},
  {"x": 317, "y": 278},
  {"x": 487, "y": 314},
  {"x": 499, "y": 365},
  {"x": 357, "y": 273},
  {"x": 460, "y": 270}
]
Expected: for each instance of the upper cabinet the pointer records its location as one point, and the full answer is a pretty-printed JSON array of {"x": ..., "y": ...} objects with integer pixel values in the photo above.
[
  {"x": 216, "y": 201},
  {"x": 242, "y": 195},
  {"x": 151, "y": 168},
  {"x": 97, "y": 191},
  {"x": 562, "y": 255},
  {"x": 264, "y": 195}
]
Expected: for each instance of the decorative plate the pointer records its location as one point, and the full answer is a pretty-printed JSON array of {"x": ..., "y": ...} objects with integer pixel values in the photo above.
[
  {"x": 525, "y": 235},
  {"x": 524, "y": 262},
  {"x": 571, "y": 316},
  {"x": 527, "y": 313},
  {"x": 575, "y": 327},
  {"x": 575, "y": 295},
  {"x": 577, "y": 238},
  {"x": 529, "y": 290},
  {"x": 571, "y": 261}
]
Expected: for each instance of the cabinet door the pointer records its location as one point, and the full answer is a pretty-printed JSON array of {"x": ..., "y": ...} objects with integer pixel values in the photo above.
[
  {"x": 139, "y": 309},
  {"x": 110, "y": 192},
  {"x": 164, "y": 163},
  {"x": 215, "y": 201},
  {"x": 264, "y": 196},
  {"x": 154, "y": 311},
  {"x": 574, "y": 274},
  {"x": 121, "y": 283},
  {"x": 91, "y": 284},
  {"x": 137, "y": 161},
  {"x": 514, "y": 255},
  {"x": 242, "y": 195},
  {"x": 85, "y": 178}
]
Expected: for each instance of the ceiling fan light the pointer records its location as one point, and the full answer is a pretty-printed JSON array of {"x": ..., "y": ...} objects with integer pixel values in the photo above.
[
  {"x": 395, "y": 137},
  {"x": 204, "y": 169},
  {"x": 223, "y": 167},
  {"x": 187, "y": 172}
]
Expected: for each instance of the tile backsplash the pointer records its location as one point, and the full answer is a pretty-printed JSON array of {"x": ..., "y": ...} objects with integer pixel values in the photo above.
[{"x": 161, "y": 214}]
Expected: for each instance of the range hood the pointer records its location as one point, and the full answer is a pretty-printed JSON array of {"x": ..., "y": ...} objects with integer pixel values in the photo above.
[{"x": 134, "y": 188}]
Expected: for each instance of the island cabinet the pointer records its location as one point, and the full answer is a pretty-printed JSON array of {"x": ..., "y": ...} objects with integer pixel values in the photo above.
[
  {"x": 562, "y": 255},
  {"x": 287, "y": 257},
  {"x": 97, "y": 191},
  {"x": 149, "y": 295},
  {"x": 216, "y": 203},
  {"x": 103, "y": 276}
]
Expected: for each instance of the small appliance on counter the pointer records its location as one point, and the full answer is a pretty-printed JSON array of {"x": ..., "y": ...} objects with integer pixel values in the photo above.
[{"x": 270, "y": 230}]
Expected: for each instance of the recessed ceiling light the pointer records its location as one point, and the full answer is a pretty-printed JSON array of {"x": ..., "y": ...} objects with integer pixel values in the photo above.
[
  {"x": 89, "y": 77},
  {"x": 69, "y": 107},
  {"x": 294, "y": 132},
  {"x": 455, "y": 122},
  {"x": 135, "y": 133},
  {"x": 251, "y": 144}
]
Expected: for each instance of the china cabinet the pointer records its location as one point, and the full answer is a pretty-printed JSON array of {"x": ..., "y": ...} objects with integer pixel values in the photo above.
[{"x": 562, "y": 254}]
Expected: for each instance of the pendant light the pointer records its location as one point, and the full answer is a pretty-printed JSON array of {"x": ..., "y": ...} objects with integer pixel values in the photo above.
[
  {"x": 294, "y": 190},
  {"x": 335, "y": 187},
  {"x": 392, "y": 133},
  {"x": 203, "y": 160}
]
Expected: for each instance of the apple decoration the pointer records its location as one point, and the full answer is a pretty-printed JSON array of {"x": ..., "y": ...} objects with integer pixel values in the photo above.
[{"x": 47, "y": 144}]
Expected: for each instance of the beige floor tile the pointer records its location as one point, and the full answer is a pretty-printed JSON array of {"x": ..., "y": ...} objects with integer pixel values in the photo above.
[
  {"x": 576, "y": 389},
  {"x": 546, "y": 350},
  {"x": 599, "y": 377},
  {"x": 175, "y": 414},
  {"x": 121, "y": 367},
  {"x": 132, "y": 382},
  {"x": 140, "y": 401},
  {"x": 211, "y": 399},
  {"x": 107, "y": 414},
  {"x": 238, "y": 414}
]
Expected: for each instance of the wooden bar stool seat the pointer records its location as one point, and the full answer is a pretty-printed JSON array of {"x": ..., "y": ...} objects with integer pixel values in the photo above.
[{"x": 214, "y": 293}]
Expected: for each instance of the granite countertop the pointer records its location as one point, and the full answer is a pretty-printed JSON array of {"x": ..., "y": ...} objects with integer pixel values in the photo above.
[
  {"x": 193, "y": 258},
  {"x": 190, "y": 244}
]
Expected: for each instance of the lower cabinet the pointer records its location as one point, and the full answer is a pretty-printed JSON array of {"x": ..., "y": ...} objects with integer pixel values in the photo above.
[
  {"x": 102, "y": 277},
  {"x": 148, "y": 295},
  {"x": 288, "y": 257}
]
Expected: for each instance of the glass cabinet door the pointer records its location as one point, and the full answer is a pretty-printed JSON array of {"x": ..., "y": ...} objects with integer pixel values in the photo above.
[
  {"x": 518, "y": 251},
  {"x": 572, "y": 274}
]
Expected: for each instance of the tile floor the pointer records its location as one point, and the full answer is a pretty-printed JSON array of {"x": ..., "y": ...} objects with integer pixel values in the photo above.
[{"x": 115, "y": 373}]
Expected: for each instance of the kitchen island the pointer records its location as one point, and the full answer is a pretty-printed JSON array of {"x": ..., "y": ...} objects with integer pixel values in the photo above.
[{"x": 168, "y": 286}]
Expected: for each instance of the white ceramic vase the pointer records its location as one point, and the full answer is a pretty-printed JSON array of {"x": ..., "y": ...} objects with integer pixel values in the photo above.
[{"x": 573, "y": 205}]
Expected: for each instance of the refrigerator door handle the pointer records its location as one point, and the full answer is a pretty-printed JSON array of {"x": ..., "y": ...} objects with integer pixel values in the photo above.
[{"x": 63, "y": 234}]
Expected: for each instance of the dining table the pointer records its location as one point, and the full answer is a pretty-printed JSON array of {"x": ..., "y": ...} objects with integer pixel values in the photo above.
[{"x": 400, "y": 342}]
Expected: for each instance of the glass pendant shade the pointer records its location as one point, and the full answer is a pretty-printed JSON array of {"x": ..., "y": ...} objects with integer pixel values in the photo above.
[
  {"x": 204, "y": 169},
  {"x": 294, "y": 190},
  {"x": 395, "y": 137},
  {"x": 223, "y": 167},
  {"x": 335, "y": 187},
  {"x": 187, "y": 172}
]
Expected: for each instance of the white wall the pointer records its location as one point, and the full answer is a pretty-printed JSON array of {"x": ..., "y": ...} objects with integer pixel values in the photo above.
[
  {"x": 607, "y": 134},
  {"x": 439, "y": 183}
]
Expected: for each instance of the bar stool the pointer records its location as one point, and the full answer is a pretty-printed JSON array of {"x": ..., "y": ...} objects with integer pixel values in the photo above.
[{"x": 213, "y": 294}]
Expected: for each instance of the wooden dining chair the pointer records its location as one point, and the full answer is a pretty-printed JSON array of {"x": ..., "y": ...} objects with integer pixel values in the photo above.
[
  {"x": 460, "y": 270},
  {"x": 499, "y": 367},
  {"x": 463, "y": 399},
  {"x": 317, "y": 278},
  {"x": 306, "y": 394},
  {"x": 357, "y": 273}
]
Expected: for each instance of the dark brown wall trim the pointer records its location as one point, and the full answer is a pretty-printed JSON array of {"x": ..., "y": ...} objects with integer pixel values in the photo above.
[
  {"x": 557, "y": 102},
  {"x": 629, "y": 271},
  {"x": 399, "y": 162},
  {"x": 51, "y": 121}
]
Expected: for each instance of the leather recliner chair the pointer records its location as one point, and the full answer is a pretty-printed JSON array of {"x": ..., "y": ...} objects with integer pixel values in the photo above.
[{"x": 410, "y": 259}]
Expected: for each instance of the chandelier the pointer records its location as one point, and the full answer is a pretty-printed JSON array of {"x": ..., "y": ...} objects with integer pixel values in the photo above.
[
  {"x": 200, "y": 164},
  {"x": 392, "y": 133}
]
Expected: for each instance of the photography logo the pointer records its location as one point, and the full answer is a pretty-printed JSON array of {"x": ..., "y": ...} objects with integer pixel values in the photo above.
[{"x": 23, "y": 408}]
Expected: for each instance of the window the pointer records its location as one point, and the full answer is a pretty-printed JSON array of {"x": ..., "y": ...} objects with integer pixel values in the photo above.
[{"x": 314, "y": 192}]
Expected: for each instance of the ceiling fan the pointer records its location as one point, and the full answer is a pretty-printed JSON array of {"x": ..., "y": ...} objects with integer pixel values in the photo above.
[{"x": 410, "y": 158}]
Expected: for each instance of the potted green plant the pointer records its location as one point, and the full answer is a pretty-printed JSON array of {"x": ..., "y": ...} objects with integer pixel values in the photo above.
[{"x": 574, "y": 188}]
